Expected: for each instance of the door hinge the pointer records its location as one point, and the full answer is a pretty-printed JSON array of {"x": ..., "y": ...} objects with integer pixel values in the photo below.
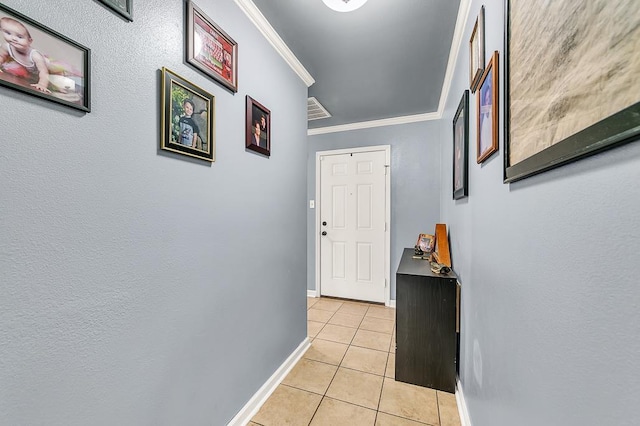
[
  {"x": 385, "y": 283},
  {"x": 386, "y": 169}
]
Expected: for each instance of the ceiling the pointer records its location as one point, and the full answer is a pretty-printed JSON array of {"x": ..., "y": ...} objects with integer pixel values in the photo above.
[{"x": 387, "y": 59}]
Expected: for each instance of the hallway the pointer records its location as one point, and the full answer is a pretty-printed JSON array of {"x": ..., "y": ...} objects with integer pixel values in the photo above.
[{"x": 347, "y": 375}]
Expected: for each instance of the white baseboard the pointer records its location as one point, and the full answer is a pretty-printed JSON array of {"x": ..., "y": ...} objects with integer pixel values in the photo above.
[
  {"x": 392, "y": 304},
  {"x": 251, "y": 408},
  {"x": 312, "y": 293},
  {"x": 462, "y": 406}
]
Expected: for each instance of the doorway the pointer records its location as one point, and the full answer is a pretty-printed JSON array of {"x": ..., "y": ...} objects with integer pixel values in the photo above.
[{"x": 352, "y": 223}]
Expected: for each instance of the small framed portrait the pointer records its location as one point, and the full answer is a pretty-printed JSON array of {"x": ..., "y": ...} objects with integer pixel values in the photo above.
[
  {"x": 426, "y": 242},
  {"x": 187, "y": 118},
  {"x": 461, "y": 148},
  {"x": 258, "y": 119},
  {"x": 122, "y": 7},
  {"x": 210, "y": 49},
  {"x": 476, "y": 52},
  {"x": 38, "y": 61},
  {"x": 488, "y": 106}
]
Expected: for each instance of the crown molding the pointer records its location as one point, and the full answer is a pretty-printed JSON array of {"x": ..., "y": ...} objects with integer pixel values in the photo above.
[
  {"x": 258, "y": 19},
  {"x": 375, "y": 123},
  {"x": 456, "y": 43}
]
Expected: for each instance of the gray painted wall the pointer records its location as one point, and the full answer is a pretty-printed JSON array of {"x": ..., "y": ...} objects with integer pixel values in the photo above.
[
  {"x": 549, "y": 269},
  {"x": 415, "y": 182},
  {"x": 137, "y": 287}
]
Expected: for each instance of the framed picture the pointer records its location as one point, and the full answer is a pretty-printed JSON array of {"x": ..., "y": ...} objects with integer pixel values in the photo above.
[
  {"x": 123, "y": 7},
  {"x": 476, "y": 52},
  {"x": 571, "y": 89},
  {"x": 187, "y": 118},
  {"x": 258, "y": 119},
  {"x": 38, "y": 61},
  {"x": 425, "y": 242},
  {"x": 210, "y": 49},
  {"x": 461, "y": 148},
  {"x": 488, "y": 103}
]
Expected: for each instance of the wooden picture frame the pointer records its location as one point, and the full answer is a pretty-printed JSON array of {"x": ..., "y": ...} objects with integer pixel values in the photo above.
[
  {"x": 441, "y": 253},
  {"x": 59, "y": 70},
  {"x": 188, "y": 118},
  {"x": 122, "y": 7},
  {"x": 571, "y": 89},
  {"x": 461, "y": 148},
  {"x": 258, "y": 127},
  {"x": 488, "y": 106},
  {"x": 476, "y": 52},
  {"x": 425, "y": 242},
  {"x": 211, "y": 50}
]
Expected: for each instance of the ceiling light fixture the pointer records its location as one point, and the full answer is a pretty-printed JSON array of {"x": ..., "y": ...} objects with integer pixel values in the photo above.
[{"x": 344, "y": 5}]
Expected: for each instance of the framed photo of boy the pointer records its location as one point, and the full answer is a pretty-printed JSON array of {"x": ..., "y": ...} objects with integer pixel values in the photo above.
[
  {"x": 39, "y": 61},
  {"x": 258, "y": 134},
  {"x": 187, "y": 118},
  {"x": 461, "y": 148},
  {"x": 210, "y": 49},
  {"x": 488, "y": 106},
  {"x": 476, "y": 52},
  {"x": 122, "y": 7}
]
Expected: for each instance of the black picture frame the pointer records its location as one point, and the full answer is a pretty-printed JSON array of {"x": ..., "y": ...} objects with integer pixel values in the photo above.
[
  {"x": 60, "y": 71},
  {"x": 122, "y": 7},
  {"x": 460, "y": 172},
  {"x": 217, "y": 55},
  {"x": 618, "y": 128},
  {"x": 258, "y": 115},
  {"x": 188, "y": 118}
]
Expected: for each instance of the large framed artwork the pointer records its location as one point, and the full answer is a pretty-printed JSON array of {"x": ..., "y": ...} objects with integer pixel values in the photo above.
[
  {"x": 122, "y": 7},
  {"x": 487, "y": 110},
  {"x": 41, "y": 62},
  {"x": 461, "y": 148},
  {"x": 571, "y": 83},
  {"x": 188, "y": 113},
  {"x": 258, "y": 127},
  {"x": 476, "y": 52},
  {"x": 210, "y": 49}
]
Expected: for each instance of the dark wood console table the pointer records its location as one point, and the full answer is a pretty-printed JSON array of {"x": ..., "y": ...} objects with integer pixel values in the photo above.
[{"x": 426, "y": 327}]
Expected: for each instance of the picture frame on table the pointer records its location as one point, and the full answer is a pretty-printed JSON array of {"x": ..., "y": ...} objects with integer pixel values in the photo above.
[
  {"x": 59, "y": 70},
  {"x": 461, "y": 148},
  {"x": 488, "y": 107},
  {"x": 210, "y": 49},
  {"x": 258, "y": 127},
  {"x": 426, "y": 242},
  {"x": 188, "y": 118},
  {"x": 476, "y": 52},
  {"x": 582, "y": 96},
  {"x": 122, "y": 7}
]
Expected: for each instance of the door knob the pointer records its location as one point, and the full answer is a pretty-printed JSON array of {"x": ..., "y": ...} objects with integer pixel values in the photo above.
[{"x": 324, "y": 232}]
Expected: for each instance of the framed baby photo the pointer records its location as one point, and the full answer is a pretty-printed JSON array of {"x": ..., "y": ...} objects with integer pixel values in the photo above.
[
  {"x": 258, "y": 135},
  {"x": 461, "y": 148},
  {"x": 41, "y": 62},
  {"x": 476, "y": 52},
  {"x": 210, "y": 49},
  {"x": 188, "y": 113},
  {"x": 122, "y": 7},
  {"x": 487, "y": 111}
]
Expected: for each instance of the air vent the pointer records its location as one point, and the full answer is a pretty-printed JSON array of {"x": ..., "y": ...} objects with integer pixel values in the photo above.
[{"x": 315, "y": 111}]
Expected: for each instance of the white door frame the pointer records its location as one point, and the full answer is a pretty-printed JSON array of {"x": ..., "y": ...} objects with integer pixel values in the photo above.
[{"x": 387, "y": 213}]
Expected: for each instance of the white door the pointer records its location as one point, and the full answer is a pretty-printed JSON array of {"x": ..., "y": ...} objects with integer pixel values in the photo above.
[{"x": 352, "y": 225}]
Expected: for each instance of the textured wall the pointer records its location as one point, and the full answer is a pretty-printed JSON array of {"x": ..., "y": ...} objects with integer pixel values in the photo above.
[
  {"x": 415, "y": 183},
  {"x": 137, "y": 287},
  {"x": 549, "y": 270}
]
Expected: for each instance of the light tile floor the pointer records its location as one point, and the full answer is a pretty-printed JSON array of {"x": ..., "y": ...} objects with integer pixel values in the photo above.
[{"x": 347, "y": 375}]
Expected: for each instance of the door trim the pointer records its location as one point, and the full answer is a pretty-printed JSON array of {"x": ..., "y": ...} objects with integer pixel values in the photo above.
[{"x": 387, "y": 213}]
